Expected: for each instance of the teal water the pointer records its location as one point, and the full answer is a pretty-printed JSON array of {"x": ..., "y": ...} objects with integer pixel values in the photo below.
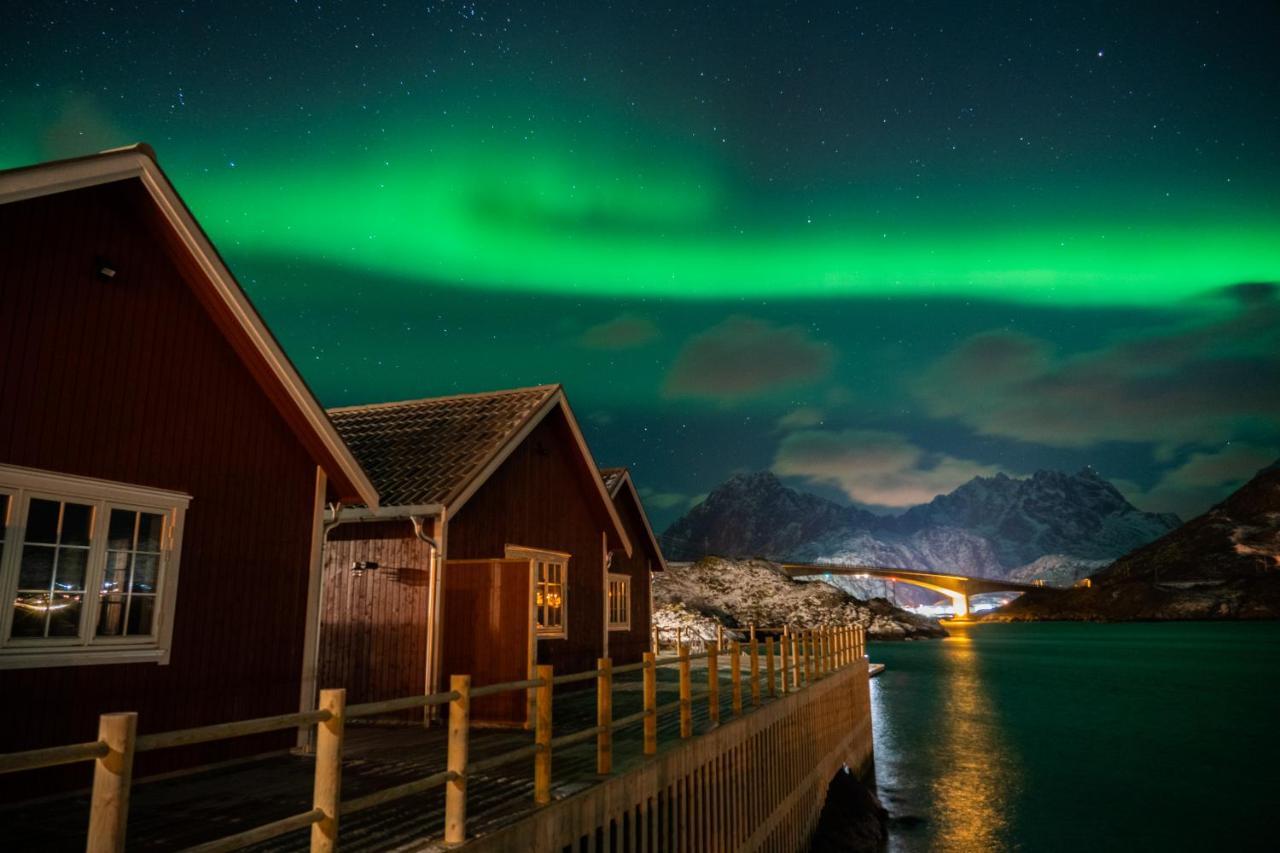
[{"x": 1063, "y": 736}]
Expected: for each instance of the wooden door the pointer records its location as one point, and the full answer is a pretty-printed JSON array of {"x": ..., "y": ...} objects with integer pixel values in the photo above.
[{"x": 487, "y": 632}]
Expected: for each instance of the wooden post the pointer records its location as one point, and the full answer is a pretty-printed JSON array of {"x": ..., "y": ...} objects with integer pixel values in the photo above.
[
  {"x": 735, "y": 664},
  {"x": 455, "y": 792},
  {"x": 719, "y": 637},
  {"x": 650, "y": 673},
  {"x": 327, "y": 794},
  {"x": 768, "y": 657},
  {"x": 808, "y": 656},
  {"x": 713, "y": 685},
  {"x": 679, "y": 636},
  {"x": 604, "y": 716},
  {"x": 542, "y": 735},
  {"x": 655, "y": 639},
  {"x": 753, "y": 633},
  {"x": 755, "y": 669},
  {"x": 112, "y": 780},
  {"x": 686, "y": 692},
  {"x": 795, "y": 661},
  {"x": 786, "y": 663}
]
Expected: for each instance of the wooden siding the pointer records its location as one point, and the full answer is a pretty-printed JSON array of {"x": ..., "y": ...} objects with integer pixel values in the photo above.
[
  {"x": 373, "y": 626},
  {"x": 542, "y": 497},
  {"x": 487, "y": 617},
  {"x": 130, "y": 380},
  {"x": 629, "y": 646}
]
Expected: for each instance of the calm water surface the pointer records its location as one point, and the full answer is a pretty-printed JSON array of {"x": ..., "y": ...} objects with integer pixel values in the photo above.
[{"x": 1082, "y": 737}]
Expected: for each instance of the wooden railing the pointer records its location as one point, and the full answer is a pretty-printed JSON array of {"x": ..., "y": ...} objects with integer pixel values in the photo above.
[{"x": 796, "y": 661}]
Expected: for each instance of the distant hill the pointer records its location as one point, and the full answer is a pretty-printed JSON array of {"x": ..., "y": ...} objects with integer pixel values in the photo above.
[
  {"x": 991, "y": 526},
  {"x": 1221, "y": 565}
]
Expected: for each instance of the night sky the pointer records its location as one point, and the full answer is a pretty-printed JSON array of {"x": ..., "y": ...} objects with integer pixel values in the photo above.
[{"x": 878, "y": 249}]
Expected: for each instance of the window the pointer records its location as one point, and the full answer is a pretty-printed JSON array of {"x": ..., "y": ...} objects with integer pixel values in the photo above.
[
  {"x": 90, "y": 566},
  {"x": 550, "y": 594},
  {"x": 619, "y": 603}
]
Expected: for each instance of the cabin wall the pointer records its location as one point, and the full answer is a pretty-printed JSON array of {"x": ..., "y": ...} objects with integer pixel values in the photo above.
[
  {"x": 541, "y": 497},
  {"x": 130, "y": 380},
  {"x": 373, "y": 625},
  {"x": 629, "y": 646}
]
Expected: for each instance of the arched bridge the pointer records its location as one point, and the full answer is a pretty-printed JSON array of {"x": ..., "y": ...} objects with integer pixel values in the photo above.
[{"x": 956, "y": 587}]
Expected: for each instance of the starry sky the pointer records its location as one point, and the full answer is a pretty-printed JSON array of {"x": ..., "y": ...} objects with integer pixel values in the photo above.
[{"x": 878, "y": 249}]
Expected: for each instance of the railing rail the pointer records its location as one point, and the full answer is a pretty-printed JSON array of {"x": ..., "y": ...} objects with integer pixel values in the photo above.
[{"x": 806, "y": 655}]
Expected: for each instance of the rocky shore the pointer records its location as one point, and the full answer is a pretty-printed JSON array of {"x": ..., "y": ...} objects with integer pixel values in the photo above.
[{"x": 697, "y": 597}]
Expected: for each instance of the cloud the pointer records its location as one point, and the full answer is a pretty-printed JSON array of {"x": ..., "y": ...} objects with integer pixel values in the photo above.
[
  {"x": 872, "y": 467},
  {"x": 743, "y": 357},
  {"x": 665, "y": 500},
  {"x": 1202, "y": 479},
  {"x": 1177, "y": 387},
  {"x": 81, "y": 126},
  {"x": 626, "y": 331},
  {"x": 805, "y": 416}
]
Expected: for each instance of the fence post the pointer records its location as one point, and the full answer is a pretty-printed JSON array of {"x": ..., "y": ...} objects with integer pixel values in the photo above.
[
  {"x": 795, "y": 662},
  {"x": 604, "y": 716},
  {"x": 786, "y": 665},
  {"x": 713, "y": 685},
  {"x": 542, "y": 735},
  {"x": 327, "y": 793},
  {"x": 768, "y": 657},
  {"x": 455, "y": 792},
  {"x": 650, "y": 673},
  {"x": 686, "y": 702},
  {"x": 719, "y": 637},
  {"x": 755, "y": 669},
  {"x": 679, "y": 636},
  {"x": 808, "y": 656},
  {"x": 112, "y": 780},
  {"x": 735, "y": 677}
]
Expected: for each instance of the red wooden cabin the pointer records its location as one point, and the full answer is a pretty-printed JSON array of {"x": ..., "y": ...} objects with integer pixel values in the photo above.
[
  {"x": 163, "y": 471},
  {"x": 491, "y": 550},
  {"x": 630, "y": 591}
]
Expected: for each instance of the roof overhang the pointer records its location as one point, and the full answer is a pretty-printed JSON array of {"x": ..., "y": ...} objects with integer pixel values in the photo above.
[
  {"x": 305, "y": 413},
  {"x": 625, "y": 483}
]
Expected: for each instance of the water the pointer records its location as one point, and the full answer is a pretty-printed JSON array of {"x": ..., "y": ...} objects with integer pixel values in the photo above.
[{"x": 1064, "y": 736}]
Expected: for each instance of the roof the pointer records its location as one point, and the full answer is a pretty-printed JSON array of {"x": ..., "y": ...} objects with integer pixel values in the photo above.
[
  {"x": 437, "y": 451},
  {"x": 614, "y": 480},
  {"x": 231, "y": 309}
]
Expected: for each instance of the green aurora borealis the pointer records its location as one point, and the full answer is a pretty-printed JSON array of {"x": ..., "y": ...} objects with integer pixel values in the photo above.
[{"x": 936, "y": 241}]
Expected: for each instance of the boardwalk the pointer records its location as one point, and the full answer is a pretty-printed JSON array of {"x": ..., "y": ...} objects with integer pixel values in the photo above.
[{"x": 172, "y": 814}]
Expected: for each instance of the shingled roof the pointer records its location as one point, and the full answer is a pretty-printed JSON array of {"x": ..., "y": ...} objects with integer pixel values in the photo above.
[
  {"x": 614, "y": 479},
  {"x": 427, "y": 451}
]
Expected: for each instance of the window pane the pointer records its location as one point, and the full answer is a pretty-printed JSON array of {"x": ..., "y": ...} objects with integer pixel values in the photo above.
[
  {"x": 71, "y": 563},
  {"x": 42, "y": 521},
  {"x": 144, "y": 573},
  {"x": 36, "y": 571},
  {"x": 76, "y": 521},
  {"x": 64, "y": 615},
  {"x": 141, "y": 609},
  {"x": 111, "y": 616},
  {"x": 29, "y": 612},
  {"x": 120, "y": 529},
  {"x": 116, "y": 576},
  {"x": 150, "y": 527}
]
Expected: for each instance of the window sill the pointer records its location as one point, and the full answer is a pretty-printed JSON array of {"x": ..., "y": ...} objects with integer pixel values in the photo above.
[
  {"x": 44, "y": 658},
  {"x": 557, "y": 636},
  {"x": 618, "y": 628}
]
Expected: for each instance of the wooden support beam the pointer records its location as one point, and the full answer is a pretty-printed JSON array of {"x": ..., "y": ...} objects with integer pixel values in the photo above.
[
  {"x": 769, "y": 668},
  {"x": 455, "y": 792},
  {"x": 542, "y": 735},
  {"x": 112, "y": 781},
  {"x": 713, "y": 685},
  {"x": 808, "y": 656},
  {"x": 604, "y": 716},
  {"x": 327, "y": 792},
  {"x": 686, "y": 694},
  {"x": 735, "y": 666},
  {"x": 650, "y": 673}
]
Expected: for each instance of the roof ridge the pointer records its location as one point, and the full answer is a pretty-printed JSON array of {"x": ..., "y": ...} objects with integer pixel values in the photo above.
[{"x": 502, "y": 392}]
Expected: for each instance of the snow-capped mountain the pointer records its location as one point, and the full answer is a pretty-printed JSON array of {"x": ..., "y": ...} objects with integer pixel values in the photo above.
[{"x": 990, "y": 526}]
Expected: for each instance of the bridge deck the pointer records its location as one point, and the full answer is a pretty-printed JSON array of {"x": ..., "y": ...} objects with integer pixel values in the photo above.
[
  {"x": 176, "y": 813},
  {"x": 959, "y": 583}
]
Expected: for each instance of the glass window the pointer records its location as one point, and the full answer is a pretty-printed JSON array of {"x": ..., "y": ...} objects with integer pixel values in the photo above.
[
  {"x": 619, "y": 602},
  {"x": 549, "y": 596},
  {"x": 84, "y": 565}
]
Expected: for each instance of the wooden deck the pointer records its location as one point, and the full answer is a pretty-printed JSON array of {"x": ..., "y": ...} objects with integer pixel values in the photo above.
[{"x": 175, "y": 813}]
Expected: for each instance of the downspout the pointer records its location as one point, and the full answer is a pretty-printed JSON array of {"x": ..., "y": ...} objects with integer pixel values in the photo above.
[
  {"x": 433, "y": 606},
  {"x": 305, "y": 743}
]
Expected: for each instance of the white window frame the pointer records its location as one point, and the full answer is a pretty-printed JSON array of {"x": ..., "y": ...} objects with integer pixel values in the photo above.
[
  {"x": 23, "y": 484},
  {"x": 625, "y": 580},
  {"x": 533, "y": 555}
]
